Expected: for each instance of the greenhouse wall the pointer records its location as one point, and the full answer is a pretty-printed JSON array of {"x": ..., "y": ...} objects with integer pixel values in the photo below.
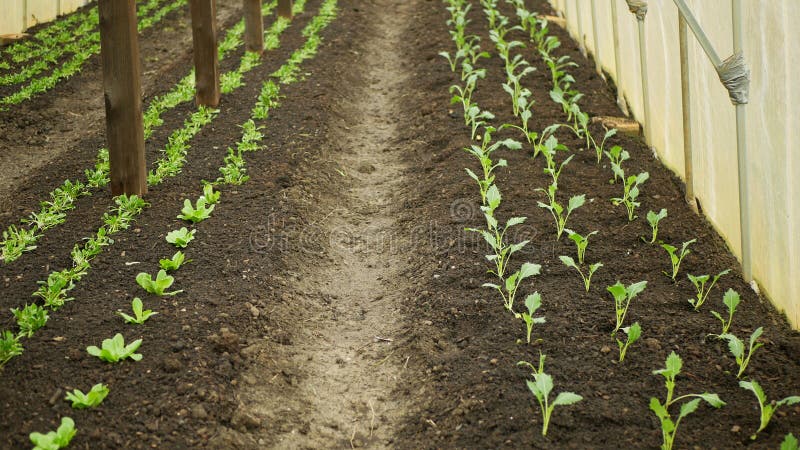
[
  {"x": 19, "y": 15},
  {"x": 773, "y": 113}
]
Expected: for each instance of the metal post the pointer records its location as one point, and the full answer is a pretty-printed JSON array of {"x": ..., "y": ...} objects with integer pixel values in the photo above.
[
  {"x": 597, "y": 65},
  {"x": 645, "y": 85},
  {"x": 686, "y": 100},
  {"x": 617, "y": 63},
  {"x": 702, "y": 39},
  {"x": 741, "y": 150}
]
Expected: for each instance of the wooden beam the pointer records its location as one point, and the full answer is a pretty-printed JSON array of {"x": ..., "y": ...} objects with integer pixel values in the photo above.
[
  {"x": 122, "y": 89},
  {"x": 253, "y": 26},
  {"x": 206, "y": 61},
  {"x": 285, "y": 8}
]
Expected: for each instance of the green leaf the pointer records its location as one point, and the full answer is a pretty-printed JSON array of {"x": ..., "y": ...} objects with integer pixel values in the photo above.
[
  {"x": 566, "y": 398},
  {"x": 114, "y": 349},
  {"x": 533, "y": 302},
  {"x": 55, "y": 440},
  {"x": 576, "y": 202},
  {"x": 95, "y": 396},
  {"x": 712, "y": 399},
  {"x": 569, "y": 262},
  {"x": 735, "y": 345},
  {"x": 790, "y": 443},
  {"x": 689, "y": 407},
  {"x": 674, "y": 364},
  {"x": 528, "y": 270}
]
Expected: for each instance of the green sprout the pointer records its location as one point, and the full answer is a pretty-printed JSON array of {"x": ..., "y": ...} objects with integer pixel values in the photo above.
[
  {"x": 653, "y": 219},
  {"x": 532, "y": 303},
  {"x": 581, "y": 242},
  {"x": 157, "y": 286},
  {"x": 731, "y": 300},
  {"x": 587, "y": 279},
  {"x": 55, "y": 440},
  {"x": 767, "y": 408},
  {"x": 541, "y": 387},
  {"x": 630, "y": 193},
  {"x": 633, "y": 333},
  {"x": 622, "y": 300},
  {"x": 181, "y": 238},
  {"x": 699, "y": 283},
  {"x": 675, "y": 257},
  {"x": 114, "y": 350},
  {"x": 89, "y": 400},
  {"x": 30, "y": 318},
  {"x": 737, "y": 348},
  {"x": 140, "y": 315}
]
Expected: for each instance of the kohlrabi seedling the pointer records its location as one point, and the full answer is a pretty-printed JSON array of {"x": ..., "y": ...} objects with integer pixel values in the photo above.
[
  {"x": 541, "y": 386},
  {"x": 30, "y": 318},
  {"x": 731, "y": 300},
  {"x": 633, "y": 333},
  {"x": 196, "y": 214},
  {"x": 174, "y": 263},
  {"x": 630, "y": 193},
  {"x": 89, "y": 400},
  {"x": 508, "y": 289},
  {"x": 140, "y": 315},
  {"x": 616, "y": 156},
  {"x": 669, "y": 428},
  {"x": 115, "y": 350},
  {"x": 158, "y": 286},
  {"x": 699, "y": 283},
  {"x": 653, "y": 219},
  {"x": 181, "y": 238},
  {"x": 675, "y": 257},
  {"x": 622, "y": 300},
  {"x": 560, "y": 215},
  {"x": 581, "y": 242},
  {"x": 532, "y": 303},
  {"x": 587, "y": 279},
  {"x": 767, "y": 408},
  {"x": 738, "y": 350},
  {"x": 55, "y": 440}
]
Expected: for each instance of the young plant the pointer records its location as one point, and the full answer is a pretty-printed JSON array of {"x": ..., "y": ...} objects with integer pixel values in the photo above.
[
  {"x": 174, "y": 263},
  {"x": 30, "y": 318},
  {"x": 541, "y": 386},
  {"x": 600, "y": 149},
  {"x": 89, "y": 400},
  {"x": 115, "y": 350},
  {"x": 181, "y": 238},
  {"x": 616, "y": 155},
  {"x": 790, "y": 443},
  {"x": 630, "y": 193},
  {"x": 699, "y": 283},
  {"x": 669, "y": 428},
  {"x": 736, "y": 346},
  {"x": 622, "y": 299},
  {"x": 581, "y": 242},
  {"x": 532, "y": 303},
  {"x": 55, "y": 440},
  {"x": 140, "y": 315},
  {"x": 9, "y": 347},
  {"x": 675, "y": 257},
  {"x": 158, "y": 286},
  {"x": 54, "y": 290},
  {"x": 587, "y": 279},
  {"x": 196, "y": 214},
  {"x": 557, "y": 211},
  {"x": 767, "y": 408},
  {"x": 653, "y": 219},
  {"x": 210, "y": 195},
  {"x": 731, "y": 300},
  {"x": 633, "y": 333},
  {"x": 508, "y": 291}
]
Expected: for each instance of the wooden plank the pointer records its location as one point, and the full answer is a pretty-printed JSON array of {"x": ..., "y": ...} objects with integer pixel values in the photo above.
[
  {"x": 206, "y": 62},
  {"x": 119, "y": 52},
  {"x": 253, "y": 26},
  {"x": 285, "y": 8}
]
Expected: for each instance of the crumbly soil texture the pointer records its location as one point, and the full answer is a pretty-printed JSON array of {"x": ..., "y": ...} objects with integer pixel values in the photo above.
[{"x": 335, "y": 300}]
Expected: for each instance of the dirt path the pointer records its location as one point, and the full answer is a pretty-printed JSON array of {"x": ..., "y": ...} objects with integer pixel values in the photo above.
[{"x": 342, "y": 371}]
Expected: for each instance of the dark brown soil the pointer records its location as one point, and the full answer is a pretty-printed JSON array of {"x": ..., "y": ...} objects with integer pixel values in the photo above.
[{"x": 250, "y": 314}]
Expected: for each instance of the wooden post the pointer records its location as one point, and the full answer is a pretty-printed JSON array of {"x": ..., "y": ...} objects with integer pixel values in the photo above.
[
  {"x": 119, "y": 50},
  {"x": 253, "y": 26},
  {"x": 285, "y": 8},
  {"x": 206, "y": 60}
]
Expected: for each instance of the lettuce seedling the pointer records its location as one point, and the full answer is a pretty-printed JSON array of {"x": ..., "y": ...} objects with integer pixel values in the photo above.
[
  {"x": 541, "y": 386},
  {"x": 731, "y": 300},
  {"x": 767, "y": 408},
  {"x": 622, "y": 299},
  {"x": 699, "y": 283},
  {"x": 210, "y": 195},
  {"x": 790, "y": 443},
  {"x": 633, "y": 333},
  {"x": 89, "y": 400},
  {"x": 630, "y": 193},
  {"x": 174, "y": 263},
  {"x": 115, "y": 350},
  {"x": 55, "y": 440},
  {"x": 587, "y": 279},
  {"x": 653, "y": 219},
  {"x": 30, "y": 318},
  {"x": 196, "y": 214},
  {"x": 677, "y": 258},
  {"x": 533, "y": 302},
  {"x": 669, "y": 428},
  {"x": 557, "y": 211},
  {"x": 140, "y": 315},
  {"x": 181, "y": 238},
  {"x": 157, "y": 286},
  {"x": 10, "y": 347},
  {"x": 736, "y": 346},
  {"x": 581, "y": 242}
]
